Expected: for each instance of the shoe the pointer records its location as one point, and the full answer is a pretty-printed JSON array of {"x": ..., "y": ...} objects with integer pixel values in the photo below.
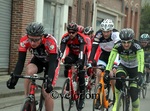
[{"x": 81, "y": 105}]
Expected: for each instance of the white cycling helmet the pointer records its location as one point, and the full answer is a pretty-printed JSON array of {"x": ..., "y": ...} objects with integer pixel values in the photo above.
[{"x": 107, "y": 25}]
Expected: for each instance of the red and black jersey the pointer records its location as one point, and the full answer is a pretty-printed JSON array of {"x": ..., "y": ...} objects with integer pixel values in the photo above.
[
  {"x": 48, "y": 46},
  {"x": 74, "y": 45}
]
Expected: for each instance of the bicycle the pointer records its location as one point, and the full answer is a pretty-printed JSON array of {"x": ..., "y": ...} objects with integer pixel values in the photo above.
[
  {"x": 30, "y": 101},
  {"x": 70, "y": 89},
  {"x": 104, "y": 96},
  {"x": 90, "y": 83},
  {"x": 124, "y": 97}
]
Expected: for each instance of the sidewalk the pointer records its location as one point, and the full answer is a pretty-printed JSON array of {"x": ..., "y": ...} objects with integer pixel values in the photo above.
[{"x": 19, "y": 88}]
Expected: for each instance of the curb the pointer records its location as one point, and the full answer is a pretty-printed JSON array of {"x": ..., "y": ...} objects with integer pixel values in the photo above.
[{"x": 20, "y": 93}]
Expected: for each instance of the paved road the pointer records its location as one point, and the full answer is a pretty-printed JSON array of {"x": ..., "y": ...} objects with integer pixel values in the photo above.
[{"x": 14, "y": 103}]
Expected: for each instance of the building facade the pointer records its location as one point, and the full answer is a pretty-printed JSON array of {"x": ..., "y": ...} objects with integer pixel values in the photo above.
[{"x": 15, "y": 15}]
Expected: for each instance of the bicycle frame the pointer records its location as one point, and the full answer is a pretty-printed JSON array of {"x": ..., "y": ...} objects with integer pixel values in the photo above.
[
  {"x": 72, "y": 76},
  {"x": 33, "y": 87},
  {"x": 101, "y": 92}
]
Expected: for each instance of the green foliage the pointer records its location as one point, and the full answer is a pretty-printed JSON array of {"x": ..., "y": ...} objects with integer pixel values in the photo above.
[{"x": 145, "y": 19}]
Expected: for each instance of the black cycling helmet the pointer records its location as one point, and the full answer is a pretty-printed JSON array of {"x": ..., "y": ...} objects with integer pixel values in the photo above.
[
  {"x": 35, "y": 29},
  {"x": 126, "y": 34},
  {"x": 72, "y": 26},
  {"x": 88, "y": 30},
  {"x": 144, "y": 37}
]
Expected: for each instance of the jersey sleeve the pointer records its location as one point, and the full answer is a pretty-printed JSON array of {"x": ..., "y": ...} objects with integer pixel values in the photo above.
[
  {"x": 88, "y": 46},
  {"x": 23, "y": 46},
  {"x": 51, "y": 45},
  {"x": 112, "y": 58},
  {"x": 140, "y": 58}
]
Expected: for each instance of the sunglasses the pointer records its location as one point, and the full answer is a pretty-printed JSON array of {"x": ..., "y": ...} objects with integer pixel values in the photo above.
[
  {"x": 71, "y": 32},
  {"x": 126, "y": 42},
  {"x": 34, "y": 40}
]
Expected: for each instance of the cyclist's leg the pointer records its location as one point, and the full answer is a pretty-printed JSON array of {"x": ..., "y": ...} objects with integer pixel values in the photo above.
[
  {"x": 49, "y": 101},
  {"x": 101, "y": 65},
  {"x": 35, "y": 66},
  {"x": 68, "y": 60},
  {"x": 134, "y": 90},
  {"x": 118, "y": 85},
  {"x": 82, "y": 89}
]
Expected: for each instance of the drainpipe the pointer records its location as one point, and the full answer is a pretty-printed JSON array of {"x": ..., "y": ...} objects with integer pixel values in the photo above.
[
  {"x": 94, "y": 15},
  {"x": 79, "y": 12}
]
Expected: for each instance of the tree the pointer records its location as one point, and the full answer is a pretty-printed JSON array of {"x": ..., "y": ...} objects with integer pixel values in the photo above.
[{"x": 145, "y": 19}]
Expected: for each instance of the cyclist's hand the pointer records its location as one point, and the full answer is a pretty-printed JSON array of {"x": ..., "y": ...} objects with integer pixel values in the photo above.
[
  {"x": 48, "y": 86},
  {"x": 12, "y": 82},
  {"x": 106, "y": 77},
  {"x": 139, "y": 78}
]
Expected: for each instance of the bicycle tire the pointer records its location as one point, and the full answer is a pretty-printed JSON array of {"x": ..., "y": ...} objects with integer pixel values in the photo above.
[
  {"x": 67, "y": 97},
  {"x": 41, "y": 102},
  {"x": 122, "y": 103},
  {"x": 28, "y": 105},
  {"x": 144, "y": 91}
]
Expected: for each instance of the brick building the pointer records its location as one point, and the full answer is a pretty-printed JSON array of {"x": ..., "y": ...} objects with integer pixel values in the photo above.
[{"x": 55, "y": 15}]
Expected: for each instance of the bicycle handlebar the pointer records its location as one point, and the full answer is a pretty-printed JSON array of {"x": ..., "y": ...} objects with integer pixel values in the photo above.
[
  {"x": 34, "y": 77},
  {"x": 124, "y": 79}
]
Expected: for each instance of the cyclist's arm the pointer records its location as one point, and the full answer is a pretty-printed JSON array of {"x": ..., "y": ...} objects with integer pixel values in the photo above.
[
  {"x": 140, "y": 58},
  {"x": 95, "y": 45},
  {"x": 62, "y": 47},
  {"x": 63, "y": 43},
  {"x": 93, "y": 51},
  {"x": 20, "y": 63},
  {"x": 53, "y": 62},
  {"x": 82, "y": 46},
  {"x": 111, "y": 59}
]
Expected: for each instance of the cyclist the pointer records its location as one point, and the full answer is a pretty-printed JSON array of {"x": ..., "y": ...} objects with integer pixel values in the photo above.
[
  {"x": 131, "y": 64},
  {"x": 90, "y": 33},
  {"x": 45, "y": 55},
  {"x": 145, "y": 41},
  {"x": 76, "y": 43},
  {"x": 106, "y": 37}
]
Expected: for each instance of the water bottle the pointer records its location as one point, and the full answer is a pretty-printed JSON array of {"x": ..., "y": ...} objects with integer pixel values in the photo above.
[{"x": 75, "y": 85}]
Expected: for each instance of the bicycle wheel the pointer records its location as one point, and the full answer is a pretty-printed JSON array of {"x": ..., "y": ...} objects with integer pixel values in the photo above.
[
  {"x": 28, "y": 105},
  {"x": 144, "y": 90},
  {"x": 66, "y": 101},
  {"x": 122, "y": 104},
  {"x": 41, "y": 102}
]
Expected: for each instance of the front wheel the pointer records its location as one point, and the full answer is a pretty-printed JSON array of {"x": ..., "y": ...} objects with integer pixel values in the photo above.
[
  {"x": 123, "y": 103},
  {"x": 28, "y": 105},
  {"x": 144, "y": 90},
  {"x": 66, "y": 101}
]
